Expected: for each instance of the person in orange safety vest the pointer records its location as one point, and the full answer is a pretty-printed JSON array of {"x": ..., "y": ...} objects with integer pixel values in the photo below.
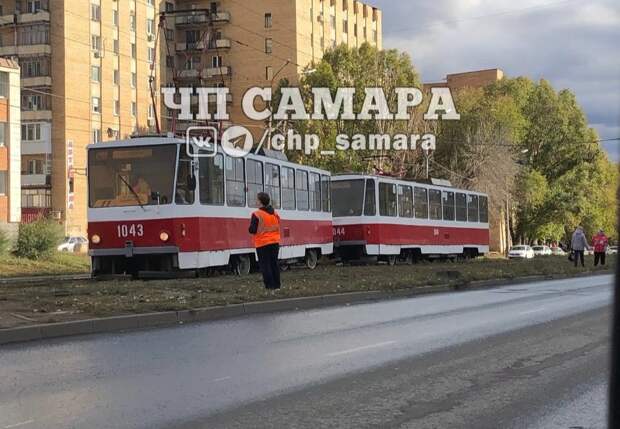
[{"x": 265, "y": 226}]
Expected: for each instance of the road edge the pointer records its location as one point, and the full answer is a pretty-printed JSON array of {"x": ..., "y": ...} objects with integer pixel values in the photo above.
[{"x": 171, "y": 318}]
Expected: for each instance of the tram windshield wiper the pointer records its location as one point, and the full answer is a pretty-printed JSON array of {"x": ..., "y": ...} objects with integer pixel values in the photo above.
[{"x": 133, "y": 192}]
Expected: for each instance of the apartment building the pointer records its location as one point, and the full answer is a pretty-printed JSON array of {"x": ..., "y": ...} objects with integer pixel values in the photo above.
[
  {"x": 10, "y": 196},
  {"x": 85, "y": 70},
  {"x": 240, "y": 44}
]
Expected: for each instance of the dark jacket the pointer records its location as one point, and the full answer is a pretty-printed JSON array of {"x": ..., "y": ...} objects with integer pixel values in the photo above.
[{"x": 254, "y": 221}]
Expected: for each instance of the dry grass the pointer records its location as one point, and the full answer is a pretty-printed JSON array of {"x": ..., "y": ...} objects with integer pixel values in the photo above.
[
  {"x": 60, "y": 263},
  {"x": 57, "y": 302}
]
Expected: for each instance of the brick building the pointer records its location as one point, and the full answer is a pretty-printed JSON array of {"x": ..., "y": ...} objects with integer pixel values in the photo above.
[
  {"x": 85, "y": 69},
  {"x": 10, "y": 194}
]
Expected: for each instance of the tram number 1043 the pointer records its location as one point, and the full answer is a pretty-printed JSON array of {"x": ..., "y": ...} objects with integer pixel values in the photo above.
[{"x": 133, "y": 230}]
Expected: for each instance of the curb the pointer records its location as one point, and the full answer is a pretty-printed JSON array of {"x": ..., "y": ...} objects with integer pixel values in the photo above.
[
  {"x": 34, "y": 280},
  {"x": 171, "y": 318}
]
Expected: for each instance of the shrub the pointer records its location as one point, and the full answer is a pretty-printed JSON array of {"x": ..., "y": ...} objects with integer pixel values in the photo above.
[
  {"x": 38, "y": 239},
  {"x": 5, "y": 243}
]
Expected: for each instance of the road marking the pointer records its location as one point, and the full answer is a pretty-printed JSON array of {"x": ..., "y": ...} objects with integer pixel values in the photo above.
[
  {"x": 359, "y": 349},
  {"x": 27, "y": 422},
  {"x": 538, "y": 310},
  {"x": 221, "y": 379}
]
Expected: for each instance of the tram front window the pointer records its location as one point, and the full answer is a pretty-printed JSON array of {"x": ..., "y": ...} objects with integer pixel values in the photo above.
[
  {"x": 121, "y": 177},
  {"x": 347, "y": 198}
]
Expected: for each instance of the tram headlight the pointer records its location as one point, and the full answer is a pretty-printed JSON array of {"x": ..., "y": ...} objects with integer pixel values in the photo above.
[
  {"x": 164, "y": 236},
  {"x": 95, "y": 239}
]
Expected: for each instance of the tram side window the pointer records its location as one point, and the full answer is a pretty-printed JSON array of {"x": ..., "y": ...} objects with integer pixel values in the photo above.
[
  {"x": 255, "y": 181},
  {"x": 326, "y": 195},
  {"x": 272, "y": 184},
  {"x": 434, "y": 204},
  {"x": 448, "y": 205},
  {"x": 235, "y": 182},
  {"x": 370, "y": 199},
  {"x": 387, "y": 199},
  {"x": 420, "y": 201},
  {"x": 461, "y": 207},
  {"x": 405, "y": 201},
  {"x": 301, "y": 194},
  {"x": 288, "y": 188},
  {"x": 472, "y": 208},
  {"x": 184, "y": 194},
  {"x": 212, "y": 180},
  {"x": 484, "y": 209},
  {"x": 315, "y": 192}
]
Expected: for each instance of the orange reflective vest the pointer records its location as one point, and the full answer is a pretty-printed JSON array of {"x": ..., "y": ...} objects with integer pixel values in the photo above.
[{"x": 268, "y": 231}]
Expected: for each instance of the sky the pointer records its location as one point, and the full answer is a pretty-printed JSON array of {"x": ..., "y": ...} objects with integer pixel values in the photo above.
[{"x": 573, "y": 44}]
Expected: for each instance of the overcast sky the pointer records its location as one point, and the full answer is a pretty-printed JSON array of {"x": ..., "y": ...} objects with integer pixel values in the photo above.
[{"x": 574, "y": 44}]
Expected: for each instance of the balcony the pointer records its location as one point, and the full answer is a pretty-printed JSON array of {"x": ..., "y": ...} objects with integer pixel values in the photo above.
[
  {"x": 190, "y": 46},
  {"x": 25, "y": 50},
  {"x": 25, "y": 18},
  {"x": 189, "y": 74},
  {"x": 36, "y": 115},
  {"x": 37, "y": 81},
  {"x": 36, "y": 179},
  {"x": 36, "y": 147},
  {"x": 220, "y": 44},
  {"x": 201, "y": 18},
  {"x": 217, "y": 71}
]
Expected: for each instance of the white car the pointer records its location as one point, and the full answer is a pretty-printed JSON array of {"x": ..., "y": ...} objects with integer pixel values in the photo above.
[
  {"x": 542, "y": 251},
  {"x": 72, "y": 244},
  {"x": 557, "y": 251},
  {"x": 521, "y": 252},
  {"x": 612, "y": 250}
]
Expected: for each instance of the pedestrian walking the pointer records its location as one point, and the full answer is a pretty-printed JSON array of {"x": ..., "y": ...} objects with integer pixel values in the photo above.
[
  {"x": 579, "y": 244},
  {"x": 600, "y": 242},
  {"x": 265, "y": 226}
]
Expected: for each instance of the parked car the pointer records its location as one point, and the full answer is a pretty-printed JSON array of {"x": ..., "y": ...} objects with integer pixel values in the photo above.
[
  {"x": 612, "y": 250},
  {"x": 521, "y": 252},
  {"x": 542, "y": 251},
  {"x": 72, "y": 244},
  {"x": 558, "y": 251}
]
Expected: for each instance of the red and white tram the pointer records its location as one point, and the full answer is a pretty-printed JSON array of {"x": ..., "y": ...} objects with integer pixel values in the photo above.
[
  {"x": 388, "y": 218},
  {"x": 152, "y": 207}
]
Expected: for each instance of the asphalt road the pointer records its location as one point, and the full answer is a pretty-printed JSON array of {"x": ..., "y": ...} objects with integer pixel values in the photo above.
[{"x": 527, "y": 356}]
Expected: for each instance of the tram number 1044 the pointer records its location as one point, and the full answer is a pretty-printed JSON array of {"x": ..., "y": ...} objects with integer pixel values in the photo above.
[{"x": 133, "y": 230}]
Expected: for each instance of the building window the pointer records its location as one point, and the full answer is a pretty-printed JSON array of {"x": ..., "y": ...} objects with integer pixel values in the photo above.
[
  {"x": 3, "y": 183},
  {"x": 31, "y": 132},
  {"x": 2, "y": 131},
  {"x": 169, "y": 61},
  {"x": 169, "y": 7},
  {"x": 116, "y": 47},
  {"x": 216, "y": 61},
  {"x": 134, "y": 109},
  {"x": 96, "y": 105},
  {"x": 150, "y": 55},
  {"x": 33, "y": 6},
  {"x": 96, "y": 42},
  {"x": 116, "y": 78},
  {"x": 268, "y": 20},
  {"x": 269, "y": 73},
  {"x": 134, "y": 53},
  {"x": 95, "y": 12},
  {"x": 4, "y": 84},
  {"x": 95, "y": 73},
  {"x": 134, "y": 80},
  {"x": 117, "y": 107},
  {"x": 268, "y": 46},
  {"x": 33, "y": 34},
  {"x": 96, "y": 135},
  {"x": 132, "y": 22},
  {"x": 36, "y": 198},
  {"x": 345, "y": 26},
  {"x": 150, "y": 26},
  {"x": 151, "y": 112},
  {"x": 115, "y": 18},
  {"x": 151, "y": 2}
]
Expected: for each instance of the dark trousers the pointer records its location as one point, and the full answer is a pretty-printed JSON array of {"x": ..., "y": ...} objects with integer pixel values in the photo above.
[
  {"x": 599, "y": 256},
  {"x": 578, "y": 255},
  {"x": 269, "y": 267}
]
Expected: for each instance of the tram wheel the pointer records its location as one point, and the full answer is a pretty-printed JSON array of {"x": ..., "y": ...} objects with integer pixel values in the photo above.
[
  {"x": 312, "y": 259},
  {"x": 391, "y": 260},
  {"x": 242, "y": 265}
]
